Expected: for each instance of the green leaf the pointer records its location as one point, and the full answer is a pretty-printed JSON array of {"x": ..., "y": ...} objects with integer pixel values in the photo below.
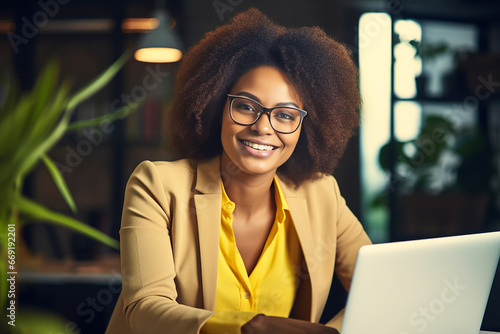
[
  {"x": 25, "y": 152},
  {"x": 13, "y": 125},
  {"x": 42, "y": 92},
  {"x": 51, "y": 113},
  {"x": 381, "y": 200},
  {"x": 40, "y": 212},
  {"x": 384, "y": 154},
  {"x": 59, "y": 181},
  {"x": 422, "y": 181},
  {"x": 98, "y": 83},
  {"x": 32, "y": 156},
  {"x": 120, "y": 113}
]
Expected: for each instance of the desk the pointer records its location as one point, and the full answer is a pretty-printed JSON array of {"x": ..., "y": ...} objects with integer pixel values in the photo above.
[
  {"x": 73, "y": 288},
  {"x": 81, "y": 294}
]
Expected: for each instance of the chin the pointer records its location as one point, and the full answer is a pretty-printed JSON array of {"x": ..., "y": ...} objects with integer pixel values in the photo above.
[{"x": 257, "y": 168}]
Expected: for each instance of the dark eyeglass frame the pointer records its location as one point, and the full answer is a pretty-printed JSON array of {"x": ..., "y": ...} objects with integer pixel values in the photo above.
[{"x": 231, "y": 97}]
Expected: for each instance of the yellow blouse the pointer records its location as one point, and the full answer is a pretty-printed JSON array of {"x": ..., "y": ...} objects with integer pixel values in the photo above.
[{"x": 270, "y": 288}]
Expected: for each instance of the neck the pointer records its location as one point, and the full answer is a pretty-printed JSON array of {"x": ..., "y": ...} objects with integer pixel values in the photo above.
[{"x": 251, "y": 193}]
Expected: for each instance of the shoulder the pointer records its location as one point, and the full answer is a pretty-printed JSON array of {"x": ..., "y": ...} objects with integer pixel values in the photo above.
[
  {"x": 166, "y": 173},
  {"x": 320, "y": 195},
  {"x": 324, "y": 185},
  {"x": 177, "y": 167}
]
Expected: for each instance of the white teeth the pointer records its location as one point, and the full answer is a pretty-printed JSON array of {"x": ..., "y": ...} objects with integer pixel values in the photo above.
[{"x": 258, "y": 146}]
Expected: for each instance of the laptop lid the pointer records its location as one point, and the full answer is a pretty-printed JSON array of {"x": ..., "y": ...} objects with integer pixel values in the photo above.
[{"x": 431, "y": 286}]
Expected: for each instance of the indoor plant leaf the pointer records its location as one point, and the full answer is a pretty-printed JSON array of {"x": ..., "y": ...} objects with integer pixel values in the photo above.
[
  {"x": 98, "y": 83},
  {"x": 59, "y": 181},
  {"x": 36, "y": 152},
  {"x": 384, "y": 154},
  {"x": 43, "y": 91},
  {"x": 40, "y": 212},
  {"x": 76, "y": 99},
  {"x": 29, "y": 150},
  {"x": 118, "y": 114}
]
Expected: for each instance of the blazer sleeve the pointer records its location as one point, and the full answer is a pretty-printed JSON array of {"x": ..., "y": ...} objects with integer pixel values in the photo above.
[
  {"x": 148, "y": 271},
  {"x": 351, "y": 236}
]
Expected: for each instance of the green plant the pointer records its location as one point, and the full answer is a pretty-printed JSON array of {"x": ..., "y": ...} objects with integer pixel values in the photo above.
[
  {"x": 440, "y": 159},
  {"x": 417, "y": 159},
  {"x": 30, "y": 125},
  {"x": 429, "y": 51}
]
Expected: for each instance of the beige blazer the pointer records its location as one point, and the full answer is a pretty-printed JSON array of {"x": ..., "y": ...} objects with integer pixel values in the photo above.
[{"x": 169, "y": 243}]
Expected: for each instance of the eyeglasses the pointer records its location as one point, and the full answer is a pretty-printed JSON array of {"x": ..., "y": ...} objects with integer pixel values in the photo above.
[{"x": 245, "y": 111}]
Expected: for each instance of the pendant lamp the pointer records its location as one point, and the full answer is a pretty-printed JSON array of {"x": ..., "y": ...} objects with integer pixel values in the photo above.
[{"x": 160, "y": 45}]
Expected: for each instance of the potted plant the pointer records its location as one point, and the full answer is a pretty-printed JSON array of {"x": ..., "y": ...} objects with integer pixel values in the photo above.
[
  {"x": 31, "y": 123},
  {"x": 443, "y": 179}
]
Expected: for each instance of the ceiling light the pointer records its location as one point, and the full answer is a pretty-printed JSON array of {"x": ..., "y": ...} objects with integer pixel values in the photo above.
[{"x": 161, "y": 45}]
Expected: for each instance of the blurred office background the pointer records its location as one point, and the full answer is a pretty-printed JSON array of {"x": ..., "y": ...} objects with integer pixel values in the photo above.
[{"x": 425, "y": 162}]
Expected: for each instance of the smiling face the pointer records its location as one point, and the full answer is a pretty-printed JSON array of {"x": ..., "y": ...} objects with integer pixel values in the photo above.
[{"x": 257, "y": 149}]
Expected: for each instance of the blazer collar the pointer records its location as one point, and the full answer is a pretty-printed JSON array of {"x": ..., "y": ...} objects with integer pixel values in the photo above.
[
  {"x": 208, "y": 213},
  {"x": 208, "y": 176},
  {"x": 300, "y": 218}
]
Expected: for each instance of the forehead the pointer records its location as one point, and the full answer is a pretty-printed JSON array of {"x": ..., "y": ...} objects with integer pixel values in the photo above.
[{"x": 269, "y": 84}]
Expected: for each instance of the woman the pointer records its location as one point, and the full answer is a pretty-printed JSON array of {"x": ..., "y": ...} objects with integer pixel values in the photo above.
[{"x": 245, "y": 233}]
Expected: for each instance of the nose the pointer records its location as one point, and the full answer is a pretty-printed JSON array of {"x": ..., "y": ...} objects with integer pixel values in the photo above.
[{"x": 263, "y": 125}]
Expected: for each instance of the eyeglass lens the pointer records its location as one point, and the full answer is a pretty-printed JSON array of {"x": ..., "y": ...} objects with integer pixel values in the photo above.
[{"x": 282, "y": 119}]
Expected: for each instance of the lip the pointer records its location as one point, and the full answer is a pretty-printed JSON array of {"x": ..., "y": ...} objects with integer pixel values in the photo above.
[{"x": 257, "y": 153}]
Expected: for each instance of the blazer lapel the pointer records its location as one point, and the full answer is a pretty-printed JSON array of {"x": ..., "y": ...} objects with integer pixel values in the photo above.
[
  {"x": 208, "y": 213},
  {"x": 300, "y": 218}
]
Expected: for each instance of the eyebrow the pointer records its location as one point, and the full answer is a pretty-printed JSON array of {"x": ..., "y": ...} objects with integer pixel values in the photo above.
[{"x": 281, "y": 104}]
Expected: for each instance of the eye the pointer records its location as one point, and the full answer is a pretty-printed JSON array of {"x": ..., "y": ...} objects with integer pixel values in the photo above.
[
  {"x": 245, "y": 106},
  {"x": 284, "y": 115}
]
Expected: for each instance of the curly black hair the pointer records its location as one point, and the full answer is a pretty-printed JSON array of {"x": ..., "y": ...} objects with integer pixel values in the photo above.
[{"x": 320, "y": 68}]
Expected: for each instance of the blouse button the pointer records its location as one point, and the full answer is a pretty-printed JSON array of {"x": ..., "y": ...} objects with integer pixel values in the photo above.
[{"x": 247, "y": 295}]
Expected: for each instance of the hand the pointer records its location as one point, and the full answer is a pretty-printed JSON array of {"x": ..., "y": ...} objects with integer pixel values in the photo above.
[{"x": 262, "y": 324}]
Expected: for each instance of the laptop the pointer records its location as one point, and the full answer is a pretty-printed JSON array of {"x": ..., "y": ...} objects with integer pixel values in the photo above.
[{"x": 431, "y": 286}]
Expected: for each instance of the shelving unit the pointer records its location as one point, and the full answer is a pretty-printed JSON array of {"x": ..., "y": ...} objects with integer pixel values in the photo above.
[{"x": 484, "y": 19}]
